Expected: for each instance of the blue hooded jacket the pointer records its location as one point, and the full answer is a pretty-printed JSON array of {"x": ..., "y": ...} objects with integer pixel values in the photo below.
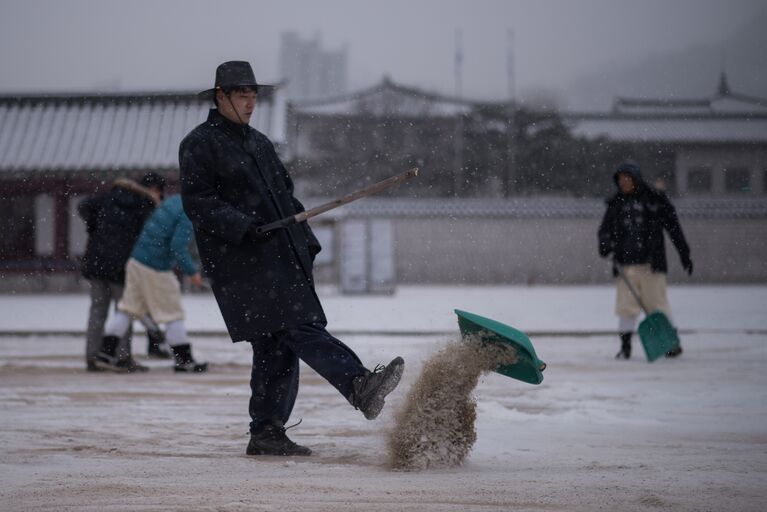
[{"x": 164, "y": 240}]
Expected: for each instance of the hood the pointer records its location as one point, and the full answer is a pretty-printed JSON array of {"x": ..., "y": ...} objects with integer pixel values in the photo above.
[
  {"x": 130, "y": 194},
  {"x": 629, "y": 167}
]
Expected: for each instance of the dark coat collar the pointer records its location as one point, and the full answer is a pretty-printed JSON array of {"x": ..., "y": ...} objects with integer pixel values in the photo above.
[{"x": 217, "y": 119}]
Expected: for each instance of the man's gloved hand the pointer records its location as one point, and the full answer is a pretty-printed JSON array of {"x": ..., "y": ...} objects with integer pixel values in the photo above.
[
  {"x": 252, "y": 234},
  {"x": 687, "y": 264}
]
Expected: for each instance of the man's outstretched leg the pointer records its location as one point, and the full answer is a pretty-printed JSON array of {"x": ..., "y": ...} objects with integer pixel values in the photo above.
[
  {"x": 341, "y": 367},
  {"x": 274, "y": 383}
]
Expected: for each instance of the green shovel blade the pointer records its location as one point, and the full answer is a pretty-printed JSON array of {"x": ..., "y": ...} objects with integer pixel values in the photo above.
[
  {"x": 657, "y": 334},
  {"x": 528, "y": 367}
]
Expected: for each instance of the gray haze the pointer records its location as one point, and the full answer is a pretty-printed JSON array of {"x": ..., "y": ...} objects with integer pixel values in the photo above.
[{"x": 575, "y": 52}]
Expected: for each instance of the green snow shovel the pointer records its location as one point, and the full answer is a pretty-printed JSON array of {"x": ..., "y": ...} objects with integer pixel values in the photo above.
[
  {"x": 528, "y": 367},
  {"x": 656, "y": 333}
]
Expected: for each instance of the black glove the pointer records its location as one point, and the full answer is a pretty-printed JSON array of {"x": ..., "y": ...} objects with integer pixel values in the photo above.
[
  {"x": 687, "y": 264},
  {"x": 606, "y": 246},
  {"x": 254, "y": 235}
]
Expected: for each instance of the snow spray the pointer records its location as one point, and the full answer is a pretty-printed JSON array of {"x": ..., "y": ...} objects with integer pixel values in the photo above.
[{"x": 435, "y": 426}]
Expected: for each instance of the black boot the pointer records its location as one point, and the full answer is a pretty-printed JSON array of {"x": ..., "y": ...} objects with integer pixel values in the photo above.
[
  {"x": 270, "y": 439},
  {"x": 674, "y": 352},
  {"x": 677, "y": 350},
  {"x": 107, "y": 358},
  {"x": 131, "y": 365},
  {"x": 625, "y": 352},
  {"x": 184, "y": 360},
  {"x": 369, "y": 390},
  {"x": 91, "y": 366},
  {"x": 156, "y": 346}
]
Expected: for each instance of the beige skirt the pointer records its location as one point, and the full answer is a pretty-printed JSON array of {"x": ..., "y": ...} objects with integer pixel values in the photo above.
[
  {"x": 649, "y": 285},
  {"x": 151, "y": 291}
]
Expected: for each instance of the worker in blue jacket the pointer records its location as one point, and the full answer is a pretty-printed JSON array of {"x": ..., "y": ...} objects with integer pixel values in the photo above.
[{"x": 152, "y": 287}]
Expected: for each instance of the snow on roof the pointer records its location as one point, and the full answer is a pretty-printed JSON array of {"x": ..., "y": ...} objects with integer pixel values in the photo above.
[
  {"x": 728, "y": 104},
  {"x": 388, "y": 99},
  {"x": 724, "y": 117},
  {"x": 723, "y": 101},
  {"x": 100, "y": 132},
  {"x": 681, "y": 129}
]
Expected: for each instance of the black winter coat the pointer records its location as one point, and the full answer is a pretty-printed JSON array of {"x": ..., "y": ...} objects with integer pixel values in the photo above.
[
  {"x": 231, "y": 179},
  {"x": 658, "y": 214},
  {"x": 113, "y": 221}
]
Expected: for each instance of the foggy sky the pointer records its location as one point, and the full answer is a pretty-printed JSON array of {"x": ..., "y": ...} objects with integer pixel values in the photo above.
[{"x": 153, "y": 45}]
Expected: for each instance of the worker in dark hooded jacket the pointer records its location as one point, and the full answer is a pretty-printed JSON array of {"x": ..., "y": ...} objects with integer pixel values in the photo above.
[
  {"x": 232, "y": 182},
  {"x": 113, "y": 221},
  {"x": 632, "y": 232}
]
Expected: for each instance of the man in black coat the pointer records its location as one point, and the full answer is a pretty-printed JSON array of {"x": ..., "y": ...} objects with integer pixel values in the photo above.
[
  {"x": 232, "y": 181},
  {"x": 113, "y": 221},
  {"x": 632, "y": 231}
]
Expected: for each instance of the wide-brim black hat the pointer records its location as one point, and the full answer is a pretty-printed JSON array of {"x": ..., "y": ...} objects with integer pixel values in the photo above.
[{"x": 234, "y": 73}]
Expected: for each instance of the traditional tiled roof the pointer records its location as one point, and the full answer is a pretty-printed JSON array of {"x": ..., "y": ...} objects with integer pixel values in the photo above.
[
  {"x": 388, "y": 99},
  {"x": 671, "y": 129},
  {"x": 99, "y": 132},
  {"x": 722, "y": 105},
  {"x": 725, "y": 117},
  {"x": 723, "y": 102}
]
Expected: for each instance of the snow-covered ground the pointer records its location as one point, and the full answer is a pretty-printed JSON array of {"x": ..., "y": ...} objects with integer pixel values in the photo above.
[{"x": 685, "y": 434}]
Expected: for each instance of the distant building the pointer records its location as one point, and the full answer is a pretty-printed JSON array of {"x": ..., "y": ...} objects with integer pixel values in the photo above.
[
  {"x": 719, "y": 143},
  {"x": 310, "y": 71},
  {"x": 708, "y": 147},
  {"x": 351, "y": 139}
]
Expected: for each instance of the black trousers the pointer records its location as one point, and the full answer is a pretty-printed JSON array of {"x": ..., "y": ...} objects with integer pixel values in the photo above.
[{"x": 274, "y": 376}]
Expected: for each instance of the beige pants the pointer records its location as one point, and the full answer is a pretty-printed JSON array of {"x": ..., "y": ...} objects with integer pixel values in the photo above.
[
  {"x": 649, "y": 285},
  {"x": 150, "y": 291}
]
